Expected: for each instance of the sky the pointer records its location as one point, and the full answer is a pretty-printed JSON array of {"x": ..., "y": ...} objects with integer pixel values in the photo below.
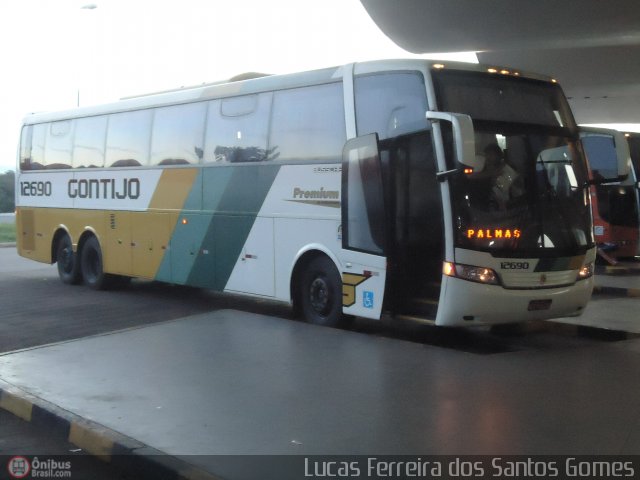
[
  {"x": 57, "y": 51},
  {"x": 60, "y": 53}
]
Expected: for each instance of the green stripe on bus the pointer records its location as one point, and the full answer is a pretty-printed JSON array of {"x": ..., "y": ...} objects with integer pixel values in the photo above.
[
  {"x": 205, "y": 250},
  {"x": 175, "y": 266}
]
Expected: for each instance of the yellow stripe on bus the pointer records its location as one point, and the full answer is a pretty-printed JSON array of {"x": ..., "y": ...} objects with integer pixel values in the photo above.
[
  {"x": 133, "y": 243},
  {"x": 173, "y": 188},
  {"x": 152, "y": 230}
]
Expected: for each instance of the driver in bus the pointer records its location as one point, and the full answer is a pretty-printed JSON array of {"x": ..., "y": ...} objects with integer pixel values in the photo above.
[{"x": 506, "y": 182}]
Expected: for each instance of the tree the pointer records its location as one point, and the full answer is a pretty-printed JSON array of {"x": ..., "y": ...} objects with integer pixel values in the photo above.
[{"x": 7, "y": 192}]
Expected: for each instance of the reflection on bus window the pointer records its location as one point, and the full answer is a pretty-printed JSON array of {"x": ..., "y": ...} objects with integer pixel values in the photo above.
[
  {"x": 308, "y": 124},
  {"x": 128, "y": 139},
  {"x": 601, "y": 155},
  {"x": 26, "y": 141},
  {"x": 390, "y": 104},
  {"x": 88, "y": 151},
  {"x": 237, "y": 129},
  {"x": 37, "y": 146},
  {"x": 59, "y": 145},
  {"x": 178, "y": 134}
]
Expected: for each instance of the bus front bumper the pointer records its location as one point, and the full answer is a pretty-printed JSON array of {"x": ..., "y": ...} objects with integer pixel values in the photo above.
[{"x": 465, "y": 303}]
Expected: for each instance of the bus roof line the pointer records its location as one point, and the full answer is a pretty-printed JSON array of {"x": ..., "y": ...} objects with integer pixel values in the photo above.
[
  {"x": 246, "y": 84},
  {"x": 236, "y": 78}
]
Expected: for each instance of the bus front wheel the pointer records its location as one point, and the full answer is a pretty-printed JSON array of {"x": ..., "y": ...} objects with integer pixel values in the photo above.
[
  {"x": 91, "y": 265},
  {"x": 67, "y": 261},
  {"x": 321, "y": 293}
]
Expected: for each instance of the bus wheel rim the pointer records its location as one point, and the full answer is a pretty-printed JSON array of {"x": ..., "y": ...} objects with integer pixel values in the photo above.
[
  {"x": 67, "y": 259},
  {"x": 319, "y": 295},
  {"x": 93, "y": 263}
]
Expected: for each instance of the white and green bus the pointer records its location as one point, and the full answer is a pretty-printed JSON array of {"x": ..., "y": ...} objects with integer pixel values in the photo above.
[{"x": 452, "y": 193}]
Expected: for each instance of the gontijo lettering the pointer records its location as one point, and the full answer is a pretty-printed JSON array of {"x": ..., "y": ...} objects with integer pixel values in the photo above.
[{"x": 104, "y": 188}]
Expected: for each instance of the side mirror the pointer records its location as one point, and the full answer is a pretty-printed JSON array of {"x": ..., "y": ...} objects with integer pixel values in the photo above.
[
  {"x": 624, "y": 155},
  {"x": 464, "y": 138}
]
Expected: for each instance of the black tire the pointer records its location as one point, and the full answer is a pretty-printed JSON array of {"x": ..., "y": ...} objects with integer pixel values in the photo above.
[
  {"x": 321, "y": 293},
  {"x": 67, "y": 260},
  {"x": 91, "y": 265}
]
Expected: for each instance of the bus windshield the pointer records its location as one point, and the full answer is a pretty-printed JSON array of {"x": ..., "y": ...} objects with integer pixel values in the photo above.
[{"x": 531, "y": 199}]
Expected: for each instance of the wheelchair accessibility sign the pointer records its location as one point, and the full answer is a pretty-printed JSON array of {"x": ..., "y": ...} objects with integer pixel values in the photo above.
[{"x": 367, "y": 299}]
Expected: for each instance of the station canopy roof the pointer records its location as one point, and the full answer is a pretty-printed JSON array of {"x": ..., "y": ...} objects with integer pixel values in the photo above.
[{"x": 592, "y": 47}]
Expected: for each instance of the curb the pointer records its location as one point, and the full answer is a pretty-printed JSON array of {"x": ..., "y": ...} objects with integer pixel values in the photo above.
[
  {"x": 123, "y": 452},
  {"x": 7, "y": 245},
  {"x": 622, "y": 268},
  {"x": 617, "y": 291},
  {"x": 559, "y": 327}
]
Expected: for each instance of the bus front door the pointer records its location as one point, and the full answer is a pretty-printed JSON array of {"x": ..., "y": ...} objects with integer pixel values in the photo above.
[{"x": 363, "y": 229}]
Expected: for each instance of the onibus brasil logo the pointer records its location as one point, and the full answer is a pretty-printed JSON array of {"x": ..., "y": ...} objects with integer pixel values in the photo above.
[{"x": 18, "y": 467}]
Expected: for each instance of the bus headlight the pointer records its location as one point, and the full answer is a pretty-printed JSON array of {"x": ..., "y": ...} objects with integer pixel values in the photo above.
[
  {"x": 471, "y": 273},
  {"x": 585, "y": 272}
]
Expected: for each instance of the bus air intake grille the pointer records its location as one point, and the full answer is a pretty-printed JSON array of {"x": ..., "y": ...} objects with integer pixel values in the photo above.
[{"x": 538, "y": 279}]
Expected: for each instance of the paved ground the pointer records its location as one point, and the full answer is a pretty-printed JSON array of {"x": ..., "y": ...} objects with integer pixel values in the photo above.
[
  {"x": 37, "y": 309},
  {"x": 198, "y": 373},
  {"x": 236, "y": 383}
]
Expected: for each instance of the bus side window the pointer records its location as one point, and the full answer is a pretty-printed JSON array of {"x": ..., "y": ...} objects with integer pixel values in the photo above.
[
  {"x": 237, "y": 129},
  {"x": 390, "y": 104},
  {"x": 88, "y": 150},
  {"x": 308, "y": 123},
  {"x": 128, "y": 136},
  {"x": 59, "y": 145},
  {"x": 178, "y": 134}
]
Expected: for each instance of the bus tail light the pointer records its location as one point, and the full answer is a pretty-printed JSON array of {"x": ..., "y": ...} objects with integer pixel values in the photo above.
[
  {"x": 471, "y": 273},
  {"x": 585, "y": 272}
]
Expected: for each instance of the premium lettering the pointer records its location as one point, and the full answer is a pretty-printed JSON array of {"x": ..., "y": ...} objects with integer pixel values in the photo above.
[
  {"x": 105, "y": 188},
  {"x": 321, "y": 194}
]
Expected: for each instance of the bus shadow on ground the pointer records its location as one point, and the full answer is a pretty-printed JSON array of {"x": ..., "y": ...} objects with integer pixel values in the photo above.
[
  {"x": 58, "y": 312},
  {"x": 478, "y": 340}
]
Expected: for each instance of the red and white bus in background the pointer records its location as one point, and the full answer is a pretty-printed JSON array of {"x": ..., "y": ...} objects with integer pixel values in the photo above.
[{"x": 615, "y": 204}]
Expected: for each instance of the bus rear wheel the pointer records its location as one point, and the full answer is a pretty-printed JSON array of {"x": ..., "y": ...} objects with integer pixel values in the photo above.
[
  {"x": 91, "y": 265},
  {"x": 321, "y": 293},
  {"x": 67, "y": 261}
]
